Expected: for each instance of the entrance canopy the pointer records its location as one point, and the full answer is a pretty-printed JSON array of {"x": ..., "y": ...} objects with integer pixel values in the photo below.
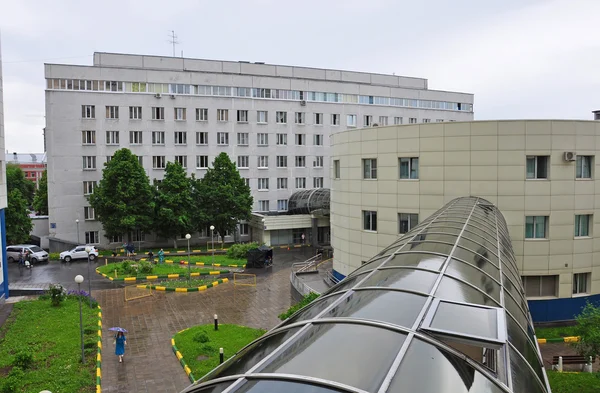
[{"x": 315, "y": 201}]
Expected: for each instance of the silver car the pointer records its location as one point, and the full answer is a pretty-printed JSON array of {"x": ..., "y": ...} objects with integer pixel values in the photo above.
[{"x": 37, "y": 254}]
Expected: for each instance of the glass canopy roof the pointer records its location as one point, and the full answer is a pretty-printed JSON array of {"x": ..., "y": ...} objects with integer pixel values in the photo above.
[
  {"x": 440, "y": 310},
  {"x": 315, "y": 201}
]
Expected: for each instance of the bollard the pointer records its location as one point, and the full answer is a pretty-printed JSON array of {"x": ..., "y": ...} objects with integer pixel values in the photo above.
[
  {"x": 560, "y": 364},
  {"x": 587, "y": 368},
  {"x": 221, "y": 356},
  {"x": 216, "y": 322}
]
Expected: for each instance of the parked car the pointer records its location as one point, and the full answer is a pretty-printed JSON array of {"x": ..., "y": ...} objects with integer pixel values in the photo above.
[
  {"x": 78, "y": 253},
  {"x": 37, "y": 253}
]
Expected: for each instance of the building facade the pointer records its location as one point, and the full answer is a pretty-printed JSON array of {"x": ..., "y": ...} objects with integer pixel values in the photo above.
[
  {"x": 273, "y": 121},
  {"x": 3, "y": 198},
  {"x": 541, "y": 175},
  {"x": 32, "y": 165}
]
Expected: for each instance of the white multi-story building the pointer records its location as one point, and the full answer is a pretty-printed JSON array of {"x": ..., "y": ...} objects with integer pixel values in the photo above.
[
  {"x": 273, "y": 121},
  {"x": 3, "y": 199}
]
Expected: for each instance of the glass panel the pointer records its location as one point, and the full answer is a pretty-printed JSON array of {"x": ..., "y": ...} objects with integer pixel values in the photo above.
[
  {"x": 531, "y": 167},
  {"x": 441, "y": 248},
  {"x": 483, "y": 322},
  {"x": 346, "y": 283},
  {"x": 519, "y": 340},
  {"x": 324, "y": 351},
  {"x": 374, "y": 264},
  {"x": 474, "y": 277},
  {"x": 274, "y": 386},
  {"x": 408, "y": 279},
  {"x": 452, "y": 289},
  {"x": 424, "y": 261},
  {"x": 218, "y": 388},
  {"x": 314, "y": 309},
  {"x": 376, "y": 305},
  {"x": 479, "y": 257},
  {"x": 438, "y": 237},
  {"x": 468, "y": 240},
  {"x": 451, "y": 373},
  {"x": 529, "y": 227},
  {"x": 476, "y": 260},
  {"x": 522, "y": 378},
  {"x": 511, "y": 305},
  {"x": 540, "y": 227}
]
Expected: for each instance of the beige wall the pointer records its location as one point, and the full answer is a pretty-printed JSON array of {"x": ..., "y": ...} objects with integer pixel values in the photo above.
[{"x": 485, "y": 159}]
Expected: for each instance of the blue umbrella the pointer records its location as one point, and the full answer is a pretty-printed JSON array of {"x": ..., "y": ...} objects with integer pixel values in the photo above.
[{"x": 117, "y": 329}]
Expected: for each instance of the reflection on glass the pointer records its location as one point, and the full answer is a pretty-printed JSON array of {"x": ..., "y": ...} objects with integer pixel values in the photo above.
[
  {"x": 425, "y": 368},
  {"x": 314, "y": 309},
  {"x": 218, "y": 388},
  {"x": 441, "y": 248},
  {"x": 424, "y": 261},
  {"x": 475, "y": 277},
  {"x": 482, "y": 322},
  {"x": 519, "y": 340},
  {"x": 516, "y": 311},
  {"x": 477, "y": 260},
  {"x": 407, "y": 279},
  {"x": 452, "y": 289},
  {"x": 347, "y": 283},
  {"x": 522, "y": 378},
  {"x": 274, "y": 386},
  {"x": 355, "y": 355}
]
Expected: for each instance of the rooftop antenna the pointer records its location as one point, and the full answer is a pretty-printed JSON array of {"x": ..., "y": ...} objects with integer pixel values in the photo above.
[{"x": 173, "y": 40}]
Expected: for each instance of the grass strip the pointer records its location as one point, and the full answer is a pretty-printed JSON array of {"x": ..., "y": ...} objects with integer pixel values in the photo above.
[{"x": 574, "y": 382}]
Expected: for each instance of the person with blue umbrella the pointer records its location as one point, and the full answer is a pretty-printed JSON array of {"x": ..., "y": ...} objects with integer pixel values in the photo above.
[{"x": 120, "y": 342}]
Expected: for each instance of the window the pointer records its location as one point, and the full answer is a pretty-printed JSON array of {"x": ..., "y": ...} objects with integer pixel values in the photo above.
[
  {"x": 222, "y": 115},
  {"x": 141, "y": 160},
  {"x": 262, "y": 139},
  {"x": 336, "y": 169},
  {"x": 139, "y": 236},
  {"x": 88, "y": 137},
  {"x": 242, "y": 138},
  {"x": 281, "y": 161},
  {"x": 282, "y": 183},
  {"x": 158, "y": 113},
  {"x": 282, "y": 139},
  {"x": 112, "y": 112},
  {"x": 112, "y": 137},
  {"x": 91, "y": 237},
  {"x": 439, "y": 120},
  {"x": 536, "y": 286},
  {"x": 222, "y": 138},
  {"x": 109, "y": 159},
  {"x": 88, "y": 213},
  {"x": 244, "y": 229},
  {"x": 159, "y": 162},
  {"x": 113, "y": 86},
  {"x": 243, "y": 161},
  {"x": 580, "y": 283},
  {"x": 335, "y": 119},
  {"x": 383, "y": 120},
  {"x": 135, "y": 112},
  {"x": 318, "y": 139},
  {"x": 262, "y": 117},
  {"x": 201, "y": 161},
  {"x": 242, "y": 116},
  {"x": 201, "y": 114},
  {"x": 318, "y": 182},
  {"x": 117, "y": 239},
  {"x": 300, "y": 118},
  {"x": 397, "y": 120},
  {"x": 409, "y": 168},
  {"x": 351, "y": 120},
  {"x": 412, "y": 120},
  {"x": 182, "y": 160},
  {"x": 368, "y": 120},
  {"x": 537, "y": 167},
  {"x": 583, "y": 167},
  {"x": 282, "y": 205},
  {"x": 202, "y": 138},
  {"x": 406, "y": 222},
  {"x": 369, "y": 220},
  {"x": 88, "y": 111},
  {"x": 300, "y": 161},
  {"x": 180, "y": 137},
  {"x": 536, "y": 227},
  {"x": 135, "y": 137},
  {"x": 369, "y": 168},
  {"x": 180, "y": 114},
  {"x": 158, "y": 137},
  {"x": 300, "y": 139},
  {"x": 89, "y": 163},
  {"x": 281, "y": 117},
  {"x": 263, "y": 162},
  {"x": 582, "y": 225},
  {"x": 263, "y": 206},
  {"x": 318, "y": 118},
  {"x": 88, "y": 187},
  {"x": 318, "y": 162},
  {"x": 426, "y": 120},
  {"x": 263, "y": 183},
  {"x": 300, "y": 182}
]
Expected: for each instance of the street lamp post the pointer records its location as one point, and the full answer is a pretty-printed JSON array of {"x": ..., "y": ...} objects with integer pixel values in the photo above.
[
  {"x": 188, "y": 237},
  {"x": 88, "y": 249},
  {"x": 212, "y": 237},
  {"x": 79, "y": 280},
  {"x": 77, "y": 222}
]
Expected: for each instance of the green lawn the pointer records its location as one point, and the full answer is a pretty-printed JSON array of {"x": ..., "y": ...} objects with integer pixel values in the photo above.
[
  {"x": 194, "y": 283},
  {"x": 164, "y": 269},
  {"x": 145, "y": 250},
  {"x": 52, "y": 335},
  {"x": 555, "y": 332},
  {"x": 231, "y": 338},
  {"x": 207, "y": 259},
  {"x": 569, "y": 382}
]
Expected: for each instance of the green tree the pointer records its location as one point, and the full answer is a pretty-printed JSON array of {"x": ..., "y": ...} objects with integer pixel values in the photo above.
[
  {"x": 123, "y": 200},
  {"x": 173, "y": 203},
  {"x": 18, "y": 222},
  {"x": 40, "y": 200},
  {"x": 15, "y": 180},
  {"x": 588, "y": 330},
  {"x": 222, "y": 197}
]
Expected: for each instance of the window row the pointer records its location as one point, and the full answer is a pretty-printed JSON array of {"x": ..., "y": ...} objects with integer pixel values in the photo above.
[
  {"x": 547, "y": 286},
  {"x": 262, "y": 162},
  {"x": 536, "y": 227},
  {"x": 406, "y": 221},
  {"x": 282, "y": 183},
  {"x": 408, "y": 168},
  {"x": 265, "y": 206}
]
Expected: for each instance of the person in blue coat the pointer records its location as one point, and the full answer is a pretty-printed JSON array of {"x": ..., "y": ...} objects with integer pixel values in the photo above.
[{"x": 120, "y": 342}]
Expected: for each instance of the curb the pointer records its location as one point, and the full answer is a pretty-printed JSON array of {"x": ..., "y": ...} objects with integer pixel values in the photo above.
[
  {"x": 163, "y": 276},
  {"x": 195, "y": 289},
  {"x": 180, "y": 358},
  {"x": 169, "y": 261},
  {"x": 99, "y": 353},
  {"x": 571, "y": 339}
]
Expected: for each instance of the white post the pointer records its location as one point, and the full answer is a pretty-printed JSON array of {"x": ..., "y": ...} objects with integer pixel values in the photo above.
[
  {"x": 560, "y": 364},
  {"x": 587, "y": 368}
]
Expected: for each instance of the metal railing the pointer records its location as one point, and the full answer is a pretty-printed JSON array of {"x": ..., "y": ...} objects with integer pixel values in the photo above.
[
  {"x": 308, "y": 265},
  {"x": 300, "y": 285},
  {"x": 329, "y": 278}
]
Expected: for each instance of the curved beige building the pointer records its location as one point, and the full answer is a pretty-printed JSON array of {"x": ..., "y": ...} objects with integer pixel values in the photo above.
[{"x": 541, "y": 174}]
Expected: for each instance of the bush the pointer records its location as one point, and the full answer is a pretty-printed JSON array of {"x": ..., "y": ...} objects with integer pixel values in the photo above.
[
  {"x": 23, "y": 360},
  {"x": 588, "y": 329},
  {"x": 12, "y": 382},
  {"x": 207, "y": 349},
  {"x": 306, "y": 300},
  {"x": 145, "y": 267},
  {"x": 201, "y": 337},
  {"x": 85, "y": 297},
  {"x": 239, "y": 251},
  {"x": 133, "y": 268},
  {"x": 57, "y": 294}
]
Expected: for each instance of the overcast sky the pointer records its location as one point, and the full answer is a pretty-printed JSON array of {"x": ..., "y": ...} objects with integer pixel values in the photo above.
[{"x": 521, "y": 58}]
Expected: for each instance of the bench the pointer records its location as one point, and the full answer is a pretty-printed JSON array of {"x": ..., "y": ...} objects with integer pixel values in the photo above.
[{"x": 572, "y": 359}]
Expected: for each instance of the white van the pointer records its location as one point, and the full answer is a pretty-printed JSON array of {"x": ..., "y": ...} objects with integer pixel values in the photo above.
[{"x": 37, "y": 254}]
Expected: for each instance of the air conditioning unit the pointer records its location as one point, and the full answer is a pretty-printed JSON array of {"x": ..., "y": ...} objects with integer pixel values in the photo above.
[
  {"x": 570, "y": 156},
  {"x": 303, "y": 102},
  {"x": 173, "y": 96},
  {"x": 158, "y": 95}
]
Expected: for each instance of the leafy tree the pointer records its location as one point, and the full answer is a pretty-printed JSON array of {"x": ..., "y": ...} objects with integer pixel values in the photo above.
[
  {"x": 222, "y": 197},
  {"x": 173, "y": 203},
  {"x": 123, "y": 200},
  {"x": 588, "y": 329},
  {"x": 18, "y": 222},
  {"x": 15, "y": 179},
  {"x": 40, "y": 200}
]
